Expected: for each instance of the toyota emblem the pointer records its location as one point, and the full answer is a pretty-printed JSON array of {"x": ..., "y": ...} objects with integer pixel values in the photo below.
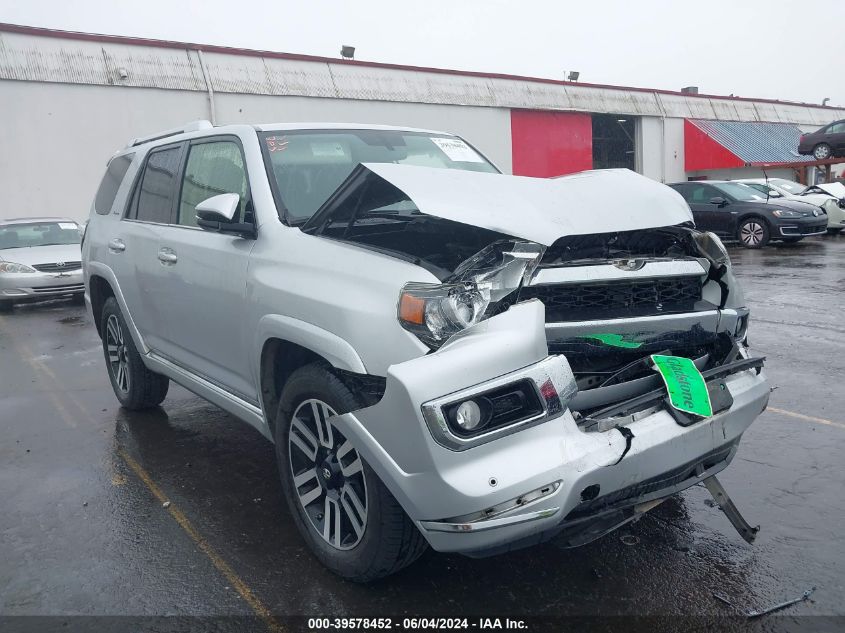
[{"x": 60, "y": 264}]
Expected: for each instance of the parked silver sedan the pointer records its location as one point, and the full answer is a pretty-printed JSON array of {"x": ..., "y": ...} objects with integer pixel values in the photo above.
[{"x": 40, "y": 258}]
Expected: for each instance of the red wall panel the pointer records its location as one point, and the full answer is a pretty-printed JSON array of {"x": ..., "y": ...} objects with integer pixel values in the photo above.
[
  {"x": 548, "y": 144},
  {"x": 702, "y": 152}
]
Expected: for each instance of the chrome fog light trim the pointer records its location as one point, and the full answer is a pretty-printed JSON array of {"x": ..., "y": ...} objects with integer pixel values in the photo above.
[{"x": 554, "y": 384}]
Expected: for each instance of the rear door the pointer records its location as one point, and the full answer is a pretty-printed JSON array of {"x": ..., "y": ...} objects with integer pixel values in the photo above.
[
  {"x": 203, "y": 274},
  {"x": 133, "y": 249}
]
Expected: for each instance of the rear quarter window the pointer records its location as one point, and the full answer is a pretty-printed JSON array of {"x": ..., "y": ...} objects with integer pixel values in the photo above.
[{"x": 115, "y": 173}]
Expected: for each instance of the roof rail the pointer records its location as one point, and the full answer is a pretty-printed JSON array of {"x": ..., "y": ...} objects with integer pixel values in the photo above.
[{"x": 193, "y": 126}]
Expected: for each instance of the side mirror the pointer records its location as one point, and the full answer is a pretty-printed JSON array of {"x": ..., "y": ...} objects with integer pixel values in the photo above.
[
  {"x": 216, "y": 214},
  {"x": 719, "y": 200},
  {"x": 219, "y": 208}
]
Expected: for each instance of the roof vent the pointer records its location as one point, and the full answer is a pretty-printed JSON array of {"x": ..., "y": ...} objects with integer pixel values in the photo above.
[{"x": 690, "y": 90}]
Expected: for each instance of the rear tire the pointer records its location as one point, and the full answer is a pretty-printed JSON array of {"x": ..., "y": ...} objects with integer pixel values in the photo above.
[
  {"x": 753, "y": 233},
  {"x": 822, "y": 151},
  {"x": 360, "y": 535},
  {"x": 135, "y": 386}
]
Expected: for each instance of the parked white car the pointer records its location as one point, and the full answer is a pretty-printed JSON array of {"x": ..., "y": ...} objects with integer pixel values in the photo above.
[
  {"x": 40, "y": 258},
  {"x": 443, "y": 355},
  {"x": 830, "y": 197}
]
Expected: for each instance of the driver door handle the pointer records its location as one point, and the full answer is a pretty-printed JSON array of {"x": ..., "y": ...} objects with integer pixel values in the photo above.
[
  {"x": 117, "y": 246},
  {"x": 167, "y": 256}
]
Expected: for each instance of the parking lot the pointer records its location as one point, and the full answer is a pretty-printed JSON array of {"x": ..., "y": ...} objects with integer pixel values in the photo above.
[{"x": 179, "y": 511}]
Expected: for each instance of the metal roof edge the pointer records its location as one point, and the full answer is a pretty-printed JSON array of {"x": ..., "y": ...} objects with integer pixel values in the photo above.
[{"x": 228, "y": 50}]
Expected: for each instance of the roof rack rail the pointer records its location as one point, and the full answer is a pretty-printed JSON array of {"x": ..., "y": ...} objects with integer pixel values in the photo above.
[{"x": 193, "y": 126}]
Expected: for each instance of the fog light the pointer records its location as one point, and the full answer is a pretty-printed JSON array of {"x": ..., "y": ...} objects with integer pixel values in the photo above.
[{"x": 468, "y": 415}]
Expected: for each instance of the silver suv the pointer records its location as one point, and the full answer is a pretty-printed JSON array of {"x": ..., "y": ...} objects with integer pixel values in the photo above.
[{"x": 443, "y": 355}]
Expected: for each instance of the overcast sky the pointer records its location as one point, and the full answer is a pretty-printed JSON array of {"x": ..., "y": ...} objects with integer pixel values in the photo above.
[{"x": 775, "y": 49}]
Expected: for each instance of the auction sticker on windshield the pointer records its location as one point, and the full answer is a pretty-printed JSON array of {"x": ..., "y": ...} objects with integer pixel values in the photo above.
[
  {"x": 457, "y": 150},
  {"x": 685, "y": 384}
]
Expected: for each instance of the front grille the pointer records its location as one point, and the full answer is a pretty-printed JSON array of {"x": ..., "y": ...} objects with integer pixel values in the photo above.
[
  {"x": 65, "y": 288},
  {"x": 605, "y": 300},
  {"x": 58, "y": 267}
]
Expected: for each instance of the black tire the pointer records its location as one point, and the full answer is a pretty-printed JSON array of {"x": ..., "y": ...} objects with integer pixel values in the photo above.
[
  {"x": 822, "y": 151},
  {"x": 135, "y": 386},
  {"x": 834, "y": 231},
  {"x": 5, "y": 306},
  {"x": 389, "y": 540},
  {"x": 753, "y": 233}
]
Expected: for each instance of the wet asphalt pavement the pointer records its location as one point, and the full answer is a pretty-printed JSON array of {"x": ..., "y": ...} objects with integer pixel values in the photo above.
[{"x": 84, "y": 530}]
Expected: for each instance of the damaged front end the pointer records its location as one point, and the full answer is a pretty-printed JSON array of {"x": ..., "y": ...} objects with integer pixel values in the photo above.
[{"x": 538, "y": 411}]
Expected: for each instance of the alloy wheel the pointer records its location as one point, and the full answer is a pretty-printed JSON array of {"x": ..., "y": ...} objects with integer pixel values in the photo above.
[
  {"x": 118, "y": 354},
  {"x": 821, "y": 152},
  {"x": 751, "y": 234},
  {"x": 328, "y": 476}
]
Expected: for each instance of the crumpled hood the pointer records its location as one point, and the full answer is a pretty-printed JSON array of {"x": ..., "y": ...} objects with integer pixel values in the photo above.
[
  {"x": 539, "y": 209},
  {"x": 31, "y": 255},
  {"x": 836, "y": 189}
]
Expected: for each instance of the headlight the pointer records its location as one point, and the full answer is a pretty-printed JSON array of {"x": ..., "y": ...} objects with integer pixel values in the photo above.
[
  {"x": 786, "y": 213},
  {"x": 476, "y": 290},
  {"x": 711, "y": 247},
  {"x": 12, "y": 267}
]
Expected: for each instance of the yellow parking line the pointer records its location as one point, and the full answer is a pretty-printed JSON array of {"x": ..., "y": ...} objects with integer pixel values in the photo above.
[
  {"x": 806, "y": 418},
  {"x": 222, "y": 566}
]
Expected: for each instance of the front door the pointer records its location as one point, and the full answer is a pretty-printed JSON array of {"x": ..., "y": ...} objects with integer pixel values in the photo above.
[
  {"x": 205, "y": 273},
  {"x": 709, "y": 216}
]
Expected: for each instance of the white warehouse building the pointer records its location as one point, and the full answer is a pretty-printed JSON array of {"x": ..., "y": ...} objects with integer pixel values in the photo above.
[{"x": 70, "y": 100}]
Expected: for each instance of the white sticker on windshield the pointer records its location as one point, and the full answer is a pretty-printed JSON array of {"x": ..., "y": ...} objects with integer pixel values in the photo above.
[
  {"x": 327, "y": 149},
  {"x": 70, "y": 226},
  {"x": 457, "y": 150}
]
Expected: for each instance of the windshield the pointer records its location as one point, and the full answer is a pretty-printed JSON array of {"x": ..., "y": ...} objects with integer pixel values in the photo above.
[
  {"x": 740, "y": 191},
  {"x": 39, "y": 234},
  {"x": 788, "y": 186},
  {"x": 307, "y": 166}
]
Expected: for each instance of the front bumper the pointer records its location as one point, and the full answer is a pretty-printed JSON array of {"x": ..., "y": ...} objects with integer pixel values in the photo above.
[
  {"x": 525, "y": 487},
  {"x": 21, "y": 287},
  {"x": 802, "y": 227}
]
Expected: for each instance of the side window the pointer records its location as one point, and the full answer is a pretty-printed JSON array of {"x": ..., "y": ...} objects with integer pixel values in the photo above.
[
  {"x": 107, "y": 192},
  {"x": 700, "y": 194},
  {"x": 212, "y": 168},
  {"x": 156, "y": 193},
  {"x": 683, "y": 190},
  {"x": 836, "y": 128}
]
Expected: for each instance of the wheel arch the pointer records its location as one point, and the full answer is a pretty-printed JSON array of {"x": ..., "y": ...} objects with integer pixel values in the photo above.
[{"x": 285, "y": 344}]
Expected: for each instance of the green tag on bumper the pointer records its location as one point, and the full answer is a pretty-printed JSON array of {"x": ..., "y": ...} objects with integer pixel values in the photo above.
[{"x": 685, "y": 384}]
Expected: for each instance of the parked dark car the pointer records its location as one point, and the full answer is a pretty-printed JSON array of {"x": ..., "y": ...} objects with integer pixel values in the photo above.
[
  {"x": 826, "y": 142},
  {"x": 736, "y": 211}
]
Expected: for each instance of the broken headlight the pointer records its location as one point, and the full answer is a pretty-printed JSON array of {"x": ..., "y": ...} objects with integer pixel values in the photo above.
[
  {"x": 712, "y": 248},
  {"x": 476, "y": 290}
]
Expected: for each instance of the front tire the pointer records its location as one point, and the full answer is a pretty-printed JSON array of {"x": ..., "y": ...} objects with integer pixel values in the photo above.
[
  {"x": 821, "y": 151},
  {"x": 135, "y": 386},
  {"x": 346, "y": 515},
  {"x": 753, "y": 233}
]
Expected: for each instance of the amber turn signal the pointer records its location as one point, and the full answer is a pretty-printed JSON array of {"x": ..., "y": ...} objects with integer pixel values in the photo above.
[{"x": 412, "y": 309}]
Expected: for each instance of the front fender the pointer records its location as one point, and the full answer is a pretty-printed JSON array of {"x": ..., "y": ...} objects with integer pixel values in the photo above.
[{"x": 330, "y": 346}]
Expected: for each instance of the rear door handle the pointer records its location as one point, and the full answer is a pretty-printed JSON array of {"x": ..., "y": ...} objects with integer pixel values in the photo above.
[
  {"x": 117, "y": 246},
  {"x": 167, "y": 256}
]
